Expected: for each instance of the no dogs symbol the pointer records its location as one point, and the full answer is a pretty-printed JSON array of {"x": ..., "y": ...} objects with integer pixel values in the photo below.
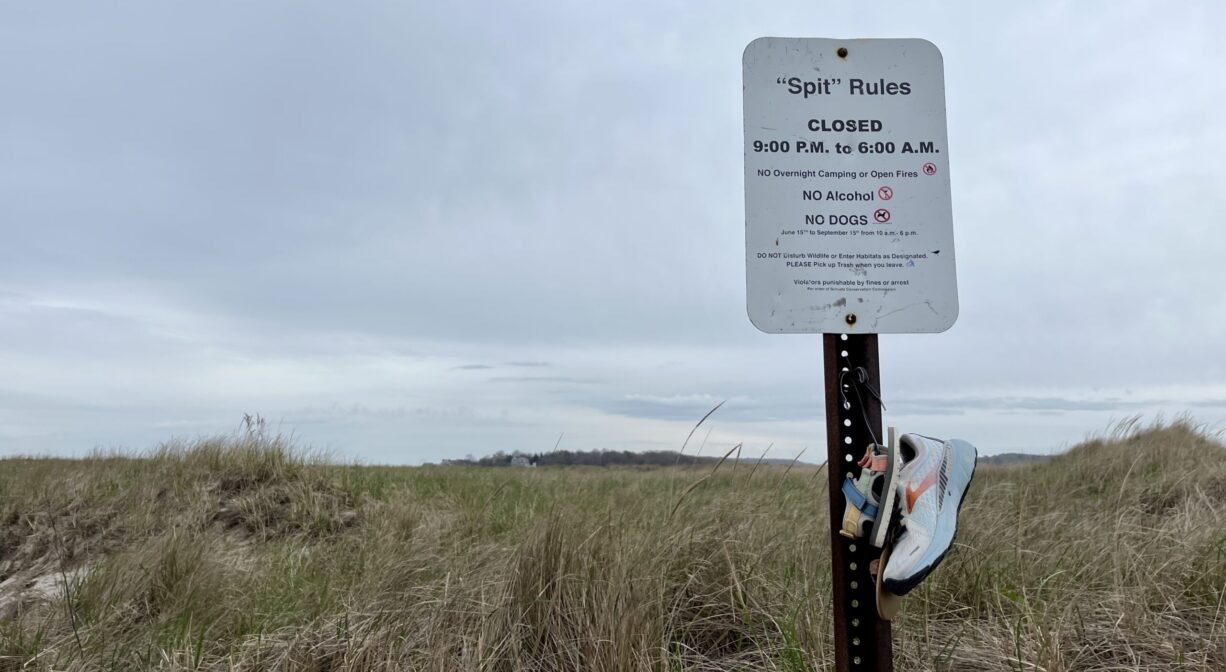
[{"x": 881, "y": 215}]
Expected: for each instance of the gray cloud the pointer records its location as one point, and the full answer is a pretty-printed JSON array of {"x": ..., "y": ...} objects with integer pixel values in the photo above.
[
  {"x": 1206, "y": 403},
  {"x": 542, "y": 379},
  {"x": 337, "y": 207},
  {"x": 1016, "y": 404},
  {"x": 693, "y": 407}
]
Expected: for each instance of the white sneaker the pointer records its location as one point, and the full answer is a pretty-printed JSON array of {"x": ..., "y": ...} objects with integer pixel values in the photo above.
[{"x": 934, "y": 480}]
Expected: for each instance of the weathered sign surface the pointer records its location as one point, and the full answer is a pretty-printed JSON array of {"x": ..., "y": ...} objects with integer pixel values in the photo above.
[{"x": 848, "y": 222}]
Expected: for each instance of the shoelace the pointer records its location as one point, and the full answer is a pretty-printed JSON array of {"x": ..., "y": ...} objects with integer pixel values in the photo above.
[{"x": 860, "y": 380}]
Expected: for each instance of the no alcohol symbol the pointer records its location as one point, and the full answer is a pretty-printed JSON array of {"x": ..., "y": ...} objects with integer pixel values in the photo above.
[
  {"x": 885, "y": 193},
  {"x": 930, "y": 169},
  {"x": 881, "y": 215}
]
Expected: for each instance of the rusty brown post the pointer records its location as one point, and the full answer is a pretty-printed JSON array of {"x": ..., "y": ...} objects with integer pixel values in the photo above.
[{"x": 861, "y": 639}]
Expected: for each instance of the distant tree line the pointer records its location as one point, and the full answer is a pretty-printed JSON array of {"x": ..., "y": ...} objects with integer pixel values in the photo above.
[{"x": 593, "y": 458}]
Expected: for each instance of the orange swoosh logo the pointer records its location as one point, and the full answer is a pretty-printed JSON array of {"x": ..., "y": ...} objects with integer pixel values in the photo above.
[{"x": 914, "y": 493}]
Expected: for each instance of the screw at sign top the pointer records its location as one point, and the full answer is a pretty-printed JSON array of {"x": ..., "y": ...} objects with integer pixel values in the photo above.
[
  {"x": 842, "y": 52},
  {"x": 851, "y": 318}
]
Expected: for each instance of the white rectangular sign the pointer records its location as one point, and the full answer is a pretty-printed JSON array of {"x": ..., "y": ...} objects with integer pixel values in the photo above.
[{"x": 848, "y": 223}]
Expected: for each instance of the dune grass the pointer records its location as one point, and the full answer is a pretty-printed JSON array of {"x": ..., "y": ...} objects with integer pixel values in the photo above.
[{"x": 241, "y": 553}]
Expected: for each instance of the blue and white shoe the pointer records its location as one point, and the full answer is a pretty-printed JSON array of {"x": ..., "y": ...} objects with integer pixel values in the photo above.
[{"x": 934, "y": 480}]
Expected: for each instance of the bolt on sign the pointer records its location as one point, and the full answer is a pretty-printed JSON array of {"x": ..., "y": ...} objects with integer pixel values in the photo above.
[{"x": 848, "y": 222}]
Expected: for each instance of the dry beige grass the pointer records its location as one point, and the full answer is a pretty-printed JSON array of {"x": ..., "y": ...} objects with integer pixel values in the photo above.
[{"x": 236, "y": 553}]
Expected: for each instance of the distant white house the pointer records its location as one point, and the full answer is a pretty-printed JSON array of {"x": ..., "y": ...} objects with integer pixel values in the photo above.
[{"x": 518, "y": 460}]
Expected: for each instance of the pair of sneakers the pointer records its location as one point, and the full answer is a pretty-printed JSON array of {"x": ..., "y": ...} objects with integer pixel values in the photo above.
[{"x": 906, "y": 500}]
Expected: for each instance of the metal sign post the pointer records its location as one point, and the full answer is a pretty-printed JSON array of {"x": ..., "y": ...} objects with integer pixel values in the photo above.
[
  {"x": 848, "y": 233},
  {"x": 861, "y": 639}
]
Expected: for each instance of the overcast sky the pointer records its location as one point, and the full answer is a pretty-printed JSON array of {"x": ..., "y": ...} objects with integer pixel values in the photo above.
[{"x": 410, "y": 231}]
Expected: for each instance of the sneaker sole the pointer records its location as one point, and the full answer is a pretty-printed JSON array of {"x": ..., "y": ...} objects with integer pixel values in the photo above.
[
  {"x": 885, "y": 512},
  {"x": 888, "y": 604}
]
